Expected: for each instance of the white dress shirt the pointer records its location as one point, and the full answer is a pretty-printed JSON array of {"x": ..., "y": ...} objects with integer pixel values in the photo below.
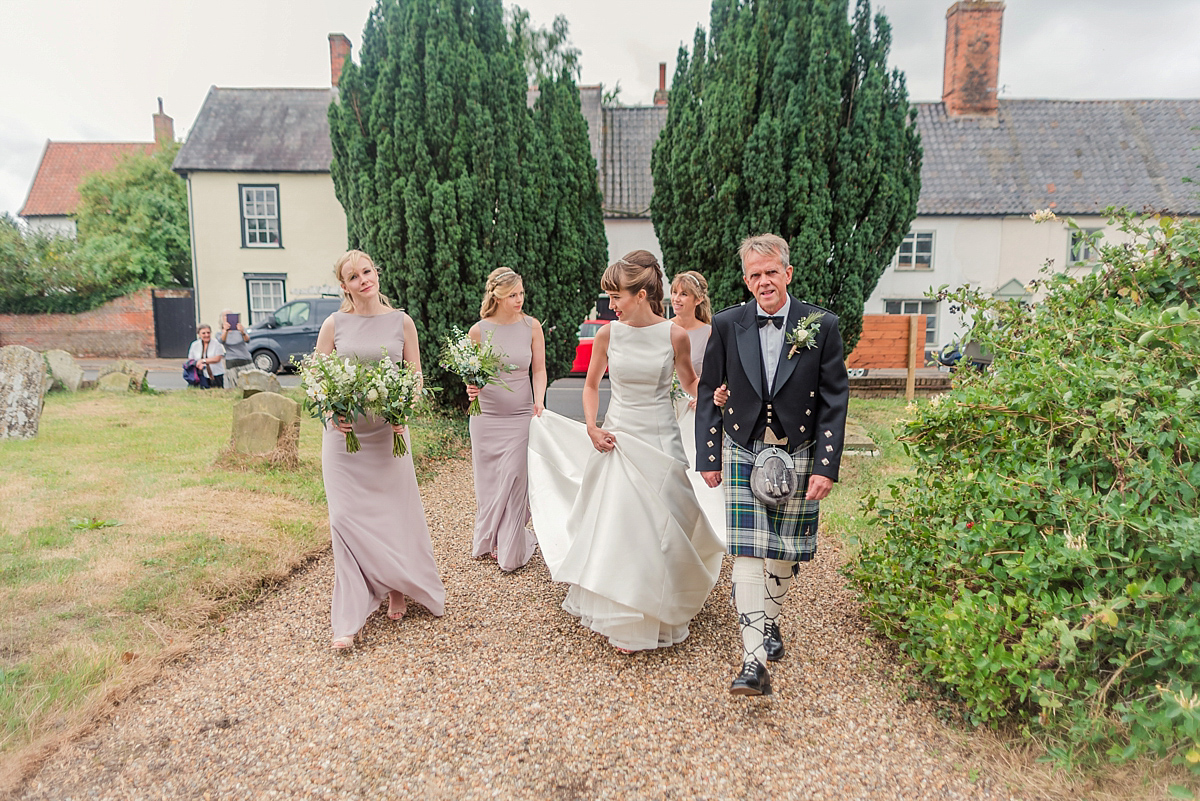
[{"x": 771, "y": 340}]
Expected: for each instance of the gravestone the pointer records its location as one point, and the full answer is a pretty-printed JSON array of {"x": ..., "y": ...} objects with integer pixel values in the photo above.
[
  {"x": 115, "y": 382},
  {"x": 22, "y": 391},
  {"x": 136, "y": 373},
  {"x": 254, "y": 432},
  {"x": 64, "y": 371},
  {"x": 252, "y": 381}
]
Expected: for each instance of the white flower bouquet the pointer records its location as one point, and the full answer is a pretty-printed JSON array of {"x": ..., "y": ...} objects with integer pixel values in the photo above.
[
  {"x": 394, "y": 391},
  {"x": 333, "y": 390},
  {"x": 476, "y": 363}
]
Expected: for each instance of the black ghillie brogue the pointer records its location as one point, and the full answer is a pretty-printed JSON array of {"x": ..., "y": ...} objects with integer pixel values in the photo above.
[
  {"x": 773, "y": 641},
  {"x": 753, "y": 680}
]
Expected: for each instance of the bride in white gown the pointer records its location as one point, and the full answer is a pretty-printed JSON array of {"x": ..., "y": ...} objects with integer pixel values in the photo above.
[{"x": 622, "y": 526}]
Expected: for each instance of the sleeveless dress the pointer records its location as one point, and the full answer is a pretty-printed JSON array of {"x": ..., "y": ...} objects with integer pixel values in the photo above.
[
  {"x": 712, "y": 499},
  {"x": 499, "y": 445},
  {"x": 376, "y": 519},
  {"x": 624, "y": 528}
]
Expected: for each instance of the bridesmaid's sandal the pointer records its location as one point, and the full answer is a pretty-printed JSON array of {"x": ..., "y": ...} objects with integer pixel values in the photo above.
[
  {"x": 342, "y": 644},
  {"x": 396, "y": 611}
]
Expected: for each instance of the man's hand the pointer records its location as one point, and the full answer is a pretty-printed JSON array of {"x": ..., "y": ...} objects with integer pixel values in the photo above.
[
  {"x": 818, "y": 488},
  {"x": 711, "y": 477}
]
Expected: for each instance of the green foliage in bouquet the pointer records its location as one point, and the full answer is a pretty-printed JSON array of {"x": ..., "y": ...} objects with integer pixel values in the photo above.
[{"x": 1044, "y": 559}]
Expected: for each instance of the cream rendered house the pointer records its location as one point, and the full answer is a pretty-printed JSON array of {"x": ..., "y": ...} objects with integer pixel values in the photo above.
[{"x": 266, "y": 225}]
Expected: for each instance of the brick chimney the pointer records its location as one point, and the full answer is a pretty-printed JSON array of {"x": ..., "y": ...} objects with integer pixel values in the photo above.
[
  {"x": 660, "y": 94},
  {"x": 971, "y": 80},
  {"x": 164, "y": 126},
  {"x": 339, "y": 54}
]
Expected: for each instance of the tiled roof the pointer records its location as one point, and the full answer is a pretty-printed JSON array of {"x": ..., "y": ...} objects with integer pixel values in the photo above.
[
  {"x": 626, "y": 141},
  {"x": 1074, "y": 156},
  {"x": 55, "y": 188},
  {"x": 260, "y": 130}
]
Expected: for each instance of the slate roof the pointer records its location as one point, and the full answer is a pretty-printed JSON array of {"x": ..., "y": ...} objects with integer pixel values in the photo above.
[
  {"x": 55, "y": 188},
  {"x": 1075, "y": 156},
  {"x": 621, "y": 138},
  {"x": 259, "y": 130}
]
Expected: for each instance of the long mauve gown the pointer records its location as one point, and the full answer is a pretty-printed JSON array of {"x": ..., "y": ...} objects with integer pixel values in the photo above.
[
  {"x": 712, "y": 499},
  {"x": 499, "y": 445},
  {"x": 376, "y": 519}
]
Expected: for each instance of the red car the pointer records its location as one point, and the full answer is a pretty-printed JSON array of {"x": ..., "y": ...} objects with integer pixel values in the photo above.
[{"x": 583, "y": 351}]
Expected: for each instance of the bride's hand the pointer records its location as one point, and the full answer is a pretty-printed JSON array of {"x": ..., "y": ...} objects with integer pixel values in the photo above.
[
  {"x": 602, "y": 440},
  {"x": 721, "y": 395}
]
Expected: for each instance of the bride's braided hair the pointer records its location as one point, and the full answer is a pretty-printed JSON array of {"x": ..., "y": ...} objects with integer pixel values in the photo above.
[{"x": 635, "y": 271}]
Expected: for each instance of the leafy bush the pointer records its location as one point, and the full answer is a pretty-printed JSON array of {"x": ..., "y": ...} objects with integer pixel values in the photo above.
[
  {"x": 50, "y": 273},
  {"x": 1043, "y": 559}
]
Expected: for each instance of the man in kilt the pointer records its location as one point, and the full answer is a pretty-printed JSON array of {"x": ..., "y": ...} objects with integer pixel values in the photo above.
[{"x": 781, "y": 362}]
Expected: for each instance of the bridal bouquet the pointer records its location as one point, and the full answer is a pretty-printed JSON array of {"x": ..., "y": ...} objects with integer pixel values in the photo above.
[
  {"x": 677, "y": 391},
  {"x": 393, "y": 393},
  {"x": 333, "y": 390},
  {"x": 476, "y": 363}
]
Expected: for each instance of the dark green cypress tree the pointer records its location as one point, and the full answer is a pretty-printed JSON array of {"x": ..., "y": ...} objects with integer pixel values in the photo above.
[
  {"x": 566, "y": 245},
  {"x": 440, "y": 166},
  {"x": 785, "y": 119}
]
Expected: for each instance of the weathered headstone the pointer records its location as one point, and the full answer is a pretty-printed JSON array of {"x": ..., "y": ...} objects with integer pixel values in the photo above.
[
  {"x": 65, "y": 372},
  {"x": 252, "y": 381},
  {"x": 286, "y": 409},
  {"x": 255, "y": 433},
  {"x": 115, "y": 382},
  {"x": 22, "y": 391},
  {"x": 135, "y": 371}
]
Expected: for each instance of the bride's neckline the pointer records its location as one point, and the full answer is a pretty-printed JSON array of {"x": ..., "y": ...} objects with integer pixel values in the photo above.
[{"x": 651, "y": 325}]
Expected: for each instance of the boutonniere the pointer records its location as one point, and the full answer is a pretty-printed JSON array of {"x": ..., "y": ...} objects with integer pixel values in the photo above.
[{"x": 804, "y": 335}]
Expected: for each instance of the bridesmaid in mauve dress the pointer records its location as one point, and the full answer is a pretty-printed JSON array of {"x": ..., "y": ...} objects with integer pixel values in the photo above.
[
  {"x": 500, "y": 432},
  {"x": 381, "y": 545},
  {"x": 693, "y": 313}
]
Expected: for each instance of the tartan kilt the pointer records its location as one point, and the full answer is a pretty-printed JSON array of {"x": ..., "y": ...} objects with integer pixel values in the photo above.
[{"x": 788, "y": 532}]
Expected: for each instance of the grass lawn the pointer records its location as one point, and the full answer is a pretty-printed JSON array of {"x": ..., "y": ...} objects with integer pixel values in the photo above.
[
  {"x": 121, "y": 532},
  {"x": 862, "y": 476}
]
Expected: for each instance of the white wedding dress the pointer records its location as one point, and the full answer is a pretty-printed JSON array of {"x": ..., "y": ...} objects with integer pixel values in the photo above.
[{"x": 624, "y": 528}]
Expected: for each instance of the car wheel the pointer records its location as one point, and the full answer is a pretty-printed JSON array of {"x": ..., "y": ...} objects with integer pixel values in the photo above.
[{"x": 265, "y": 360}]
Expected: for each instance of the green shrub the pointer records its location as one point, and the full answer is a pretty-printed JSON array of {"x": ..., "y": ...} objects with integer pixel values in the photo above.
[
  {"x": 42, "y": 273},
  {"x": 1043, "y": 559}
]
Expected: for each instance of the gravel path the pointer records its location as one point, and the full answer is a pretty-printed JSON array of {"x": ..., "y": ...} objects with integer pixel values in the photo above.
[{"x": 509, "y": 697}]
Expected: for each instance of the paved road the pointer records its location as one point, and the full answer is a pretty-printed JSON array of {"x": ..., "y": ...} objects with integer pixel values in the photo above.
[{"x": 564, "y": 396}]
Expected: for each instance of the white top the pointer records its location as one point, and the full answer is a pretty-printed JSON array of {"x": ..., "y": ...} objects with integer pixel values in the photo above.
[
  {"x": 771, "y": 339},
  {"x": 215, "y": 348}
]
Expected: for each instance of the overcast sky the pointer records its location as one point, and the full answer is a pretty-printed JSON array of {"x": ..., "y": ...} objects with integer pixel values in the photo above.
[{"x": 90, "y": 70}]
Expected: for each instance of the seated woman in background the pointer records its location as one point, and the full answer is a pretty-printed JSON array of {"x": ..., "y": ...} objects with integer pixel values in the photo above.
[{"x": 209, "y": 356}]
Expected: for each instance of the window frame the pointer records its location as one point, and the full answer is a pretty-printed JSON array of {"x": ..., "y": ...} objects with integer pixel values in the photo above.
[
  {"x": 912, "y": 266},
  {"x": 249, "y": 278},
  {"x": 278, "y": 244},
  {"x": 1082, "y": 238},
  {"x": 931, "y": 317}
]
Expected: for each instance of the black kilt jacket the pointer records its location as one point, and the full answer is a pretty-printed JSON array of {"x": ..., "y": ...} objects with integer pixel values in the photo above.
[{"x": 810, "y": 397}]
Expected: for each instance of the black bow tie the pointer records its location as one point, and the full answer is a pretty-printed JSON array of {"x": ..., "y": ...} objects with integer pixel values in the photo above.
[{"x": 775, "y": 320}]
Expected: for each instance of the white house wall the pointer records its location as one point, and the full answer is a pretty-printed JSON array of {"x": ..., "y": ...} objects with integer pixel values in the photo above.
[
  {"x": 312, "y": 232},
  {"x": 982, "y": 252},
  {"x": 626, "y": 234},
  {"x": 52, "y": 226}
]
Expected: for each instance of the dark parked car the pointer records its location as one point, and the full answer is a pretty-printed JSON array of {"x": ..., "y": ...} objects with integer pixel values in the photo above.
[{"x": 291, "y": 330}]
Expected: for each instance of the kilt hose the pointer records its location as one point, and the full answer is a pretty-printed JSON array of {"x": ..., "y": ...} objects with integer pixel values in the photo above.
[{"x": 788, "y": 532}]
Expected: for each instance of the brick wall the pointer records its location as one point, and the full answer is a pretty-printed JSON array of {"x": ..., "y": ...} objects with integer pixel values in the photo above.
[
  {"x": 884, "y": 341},
  {"x": 121, "y": 327}
]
